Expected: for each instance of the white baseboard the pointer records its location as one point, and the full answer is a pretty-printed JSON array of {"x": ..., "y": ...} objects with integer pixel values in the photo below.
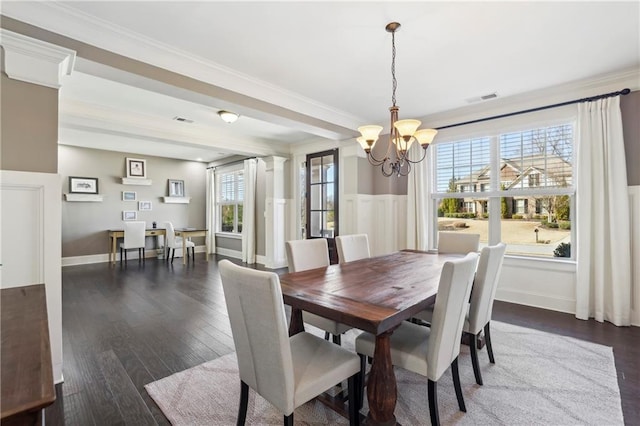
[
  {"x": 229, "y": 253},
  {"x": 537, "y": 300},
  {"x": 104, "y": 257}
]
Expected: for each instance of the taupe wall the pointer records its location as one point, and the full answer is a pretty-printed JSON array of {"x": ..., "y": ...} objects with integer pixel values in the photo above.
[
  {"x": 85, "y": 224},
  {"x": 630, "y": 106},
  {"x": 29, "y": 127}
]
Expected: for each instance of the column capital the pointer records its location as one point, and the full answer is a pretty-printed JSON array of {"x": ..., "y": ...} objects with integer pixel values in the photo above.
[
  {"x": 35, "y": 61},
  {"x": 274, "y": 162}
]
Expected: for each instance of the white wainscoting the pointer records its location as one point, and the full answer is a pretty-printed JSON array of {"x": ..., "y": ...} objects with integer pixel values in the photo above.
[
  {"x": 31, "y": 243},
  {"x": 634, "y": 207},
  {"x": 381, "y": 217}
]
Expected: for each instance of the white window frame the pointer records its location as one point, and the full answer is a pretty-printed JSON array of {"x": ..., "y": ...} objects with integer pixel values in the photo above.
[
  {"x": 238, "y": 170},
  {"x": 493, "y": 193}
]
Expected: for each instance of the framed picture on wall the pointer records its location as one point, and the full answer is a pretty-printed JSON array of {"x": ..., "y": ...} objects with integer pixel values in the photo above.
[
  {"x": 136, "y": 168},
  {"x": 129, "y": 215},
  {"x": 144, "y": 205},
  {"x": 83, "y": 185},
  {"x": 129, "y": 196},
  {"x": 176, "y": 188}
]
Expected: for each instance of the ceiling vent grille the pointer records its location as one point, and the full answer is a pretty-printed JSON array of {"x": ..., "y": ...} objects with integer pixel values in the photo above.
[
  {"x": 482, "y": 98},
  {"x": 182, "y": 119}
]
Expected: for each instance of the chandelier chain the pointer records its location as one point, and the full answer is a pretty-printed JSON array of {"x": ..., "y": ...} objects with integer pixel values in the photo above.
[{"x": 393, "y": 67}]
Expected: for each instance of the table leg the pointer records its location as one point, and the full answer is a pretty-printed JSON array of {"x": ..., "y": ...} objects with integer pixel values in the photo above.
[
  {"x": 113, "y": 249},
  {"x": 296, "y": 325},
  {"x": 382, "y": 391},
  {"x": 184, "y": 249}
]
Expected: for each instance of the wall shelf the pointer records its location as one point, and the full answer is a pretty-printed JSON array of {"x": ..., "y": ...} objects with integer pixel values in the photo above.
[
  {"x": 136, "y": 181},
  {"x": 87, "y": 198},
  {"x": 177, "y": 200}
]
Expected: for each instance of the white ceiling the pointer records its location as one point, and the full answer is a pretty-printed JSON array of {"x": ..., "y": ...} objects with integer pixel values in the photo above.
[{"x": 329, "y": 62}]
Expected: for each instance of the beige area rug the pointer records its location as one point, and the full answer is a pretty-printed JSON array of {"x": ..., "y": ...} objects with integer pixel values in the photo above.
[{"x": 538, "y": 378}]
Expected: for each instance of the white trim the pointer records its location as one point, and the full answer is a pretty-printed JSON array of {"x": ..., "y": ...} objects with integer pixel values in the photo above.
[
  {"x": 35, "y": 61},
  {"x": 537, "y": 300},
  {"x": 229, "y": 253}
]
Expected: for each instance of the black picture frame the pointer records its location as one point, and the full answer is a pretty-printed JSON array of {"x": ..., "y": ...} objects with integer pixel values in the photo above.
[
  {"x": 176, "y": 188},
  {"x": 83, "y": 185}
]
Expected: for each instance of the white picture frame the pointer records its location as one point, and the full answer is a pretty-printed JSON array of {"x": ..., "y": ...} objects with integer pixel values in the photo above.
[
  {"x": 136, "y": 168},
  {"x": 145, "y": 206},
  {"x": 129, "y": 215},
  {"x": 129, "y": 196}
]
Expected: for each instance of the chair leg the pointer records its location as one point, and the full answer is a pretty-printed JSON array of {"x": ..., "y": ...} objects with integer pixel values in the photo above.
[
  {"x": 363, "y": 378},
  {"x": 337, "y": 339},
  {"x": 326, "y": 335},
  {"x": 168, "y": 250},
  {"x": 432, "y": 390},
  {"x": 487, "y": 339},
  {"x": 456, "y": 385},
  {"x": 353, "y": 387},
  {"x": 474, "y": 358},
  {"x": 120, "y": 254},
  {"x": 244, "y": 401},
  {"x": 288, "y": 420},
  {"x": 173, "y": 253},
  {"x": 125, "y": 256}
]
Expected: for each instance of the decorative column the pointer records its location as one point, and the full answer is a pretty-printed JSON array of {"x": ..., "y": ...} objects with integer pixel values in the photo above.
[
  {"x": 29, "y": 181},
  {"x": 275, "y": 213}
]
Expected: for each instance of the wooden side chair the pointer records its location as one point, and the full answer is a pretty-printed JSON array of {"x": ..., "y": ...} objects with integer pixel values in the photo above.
[
  {"x": 352, "y": 247},
  {"x": 303, "y": 255},
  {"x": 286, "y": 371},
  {"x": 430, "y": 351},
  {"x": 134, "y": 238}
]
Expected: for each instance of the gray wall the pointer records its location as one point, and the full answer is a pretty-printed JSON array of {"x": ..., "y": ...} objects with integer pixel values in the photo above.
[
  {"x": 630, "y": 106},
  {"x": 85, "y": 224},
  {"x": 29, "y": 127},
  {"x": 372, "y": 181}
]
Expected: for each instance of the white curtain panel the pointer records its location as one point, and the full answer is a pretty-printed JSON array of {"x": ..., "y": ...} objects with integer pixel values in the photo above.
[
  {"x": 211, "y": 210},
  {"x": 418, "y": 212},
  {"x": 603, "y": 228},
  {"x": 249, "y": 212}
]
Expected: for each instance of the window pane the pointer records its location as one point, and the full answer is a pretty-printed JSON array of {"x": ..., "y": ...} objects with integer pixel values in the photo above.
[
  {"x": 316, "y": 170},
  {"x": 552, "y": 239},
  {"x": 327, "y": 163},
  {"x": 539, "y": 158},
  {"x": 463, "y": 166},
  {"x": 316, "y": 197},
  {"x": 316, "y": 224},
  {"x": 466, "y": 226},
  {"x": 329, "y": 205},
  {"x": 227, "y": 214}
]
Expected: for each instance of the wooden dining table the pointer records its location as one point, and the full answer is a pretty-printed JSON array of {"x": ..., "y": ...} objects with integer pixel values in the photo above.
[{"x": 374, "y": 295}]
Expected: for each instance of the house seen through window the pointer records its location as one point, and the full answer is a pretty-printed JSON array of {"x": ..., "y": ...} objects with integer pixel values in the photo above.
[{"x": 532, "y": 185}]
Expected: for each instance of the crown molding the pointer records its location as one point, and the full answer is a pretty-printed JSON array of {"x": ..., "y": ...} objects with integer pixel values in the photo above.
[
  {"x": 35, "y": 61},
  {"x": 67, "y": 21},
  {"x": 611, "y": 82}
]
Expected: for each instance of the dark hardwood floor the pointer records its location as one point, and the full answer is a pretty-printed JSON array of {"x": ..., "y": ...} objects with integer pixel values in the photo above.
[{"x": 124, "y": 327}]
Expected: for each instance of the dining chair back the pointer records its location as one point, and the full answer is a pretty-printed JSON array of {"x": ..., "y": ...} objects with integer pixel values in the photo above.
[
  {"x": 430, "y": 352},
  {"x": 457, "y": 242},
  {"x": 481, "y": 305},
  {"x": 352, "y": 247},
  {"x": 134, "y": 238},
  {"x": 303, "y": 255},
  {"x": 173, "y": 243},
  {"x": 307, "y": 254},
  {"x": 286, "y": 371}
]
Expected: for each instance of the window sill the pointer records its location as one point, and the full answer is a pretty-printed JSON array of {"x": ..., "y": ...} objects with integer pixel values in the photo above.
[
  {"x": 230, "y": 235},
  {"x": 567, "y": 265}
]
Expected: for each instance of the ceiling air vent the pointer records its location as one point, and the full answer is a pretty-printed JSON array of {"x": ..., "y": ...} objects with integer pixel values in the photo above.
[
  {"x": 482, "y": 98},
  {"x": 182, "y": 119}
]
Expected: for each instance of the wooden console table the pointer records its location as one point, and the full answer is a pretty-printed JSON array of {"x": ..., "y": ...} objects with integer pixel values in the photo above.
[{"x": 27, "y": 372}]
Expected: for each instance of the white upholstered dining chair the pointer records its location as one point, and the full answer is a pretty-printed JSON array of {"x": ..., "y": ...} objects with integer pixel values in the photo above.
[
  {"x": 352, "y": 247},
  {"x": 311, "y": 254},
  {"x": 286, "y": 371},
  {"x": 478, "y": 316},
  {"x": 134, "y": 238},
  {"x": 430, "y": 351},
  {"x": 457, "y": 242},
  {"x": 173, "y": 243}
]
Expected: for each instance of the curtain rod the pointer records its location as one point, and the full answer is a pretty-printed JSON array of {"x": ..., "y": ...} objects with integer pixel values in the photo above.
[
  {"x": 593, "y": 98},
  {"x": 231, "y": 162}
]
